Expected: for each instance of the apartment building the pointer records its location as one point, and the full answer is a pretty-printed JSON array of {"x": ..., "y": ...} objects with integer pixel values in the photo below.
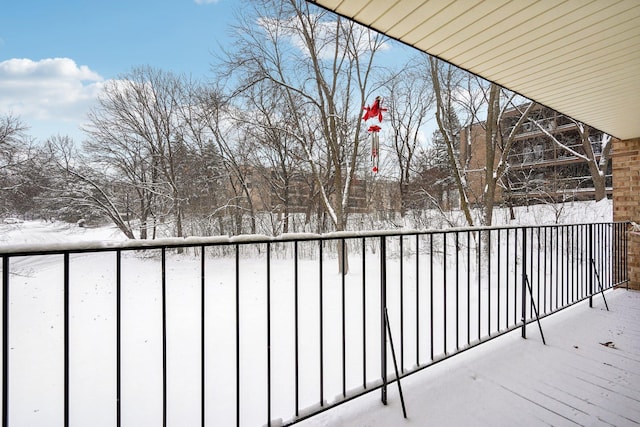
[{"x": 539, "y": 169}]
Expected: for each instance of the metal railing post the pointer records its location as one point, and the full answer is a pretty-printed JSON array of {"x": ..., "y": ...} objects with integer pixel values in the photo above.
[
  {"x": 383, "y": 308},
  {"x": 5, "y": 341},
  {"x": 524, "y": 283},
  {"x": 590, "y": 251},
  {"x": 66, "y": 337}
]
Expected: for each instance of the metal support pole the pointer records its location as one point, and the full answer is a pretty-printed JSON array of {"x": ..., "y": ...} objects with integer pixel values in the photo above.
[
  {"x": 599, "y": 284},
  {"x": 535, "y": 309},
  {"x": 395, "y": 363}
]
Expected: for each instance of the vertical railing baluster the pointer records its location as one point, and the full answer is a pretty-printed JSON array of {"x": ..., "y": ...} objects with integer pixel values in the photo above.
[
  {"x": 569, "y": 255},
  {"x": 5, "y": 341},
  {"x": 614, "y": 233},
  {"x": 524, "y": 283},
  {"x": 66, "y": 339},
  {"x": 295, "y": 327},
  {"x": 417, "y": 300},
  {"x": 586, "y": 254},
  {"x": 614, "y": 252},
  {"x": 118, "y": 338},
  {"x": 457, "y": 249},
  {"x": 343, "y": 318},
  {"x": 515, "y": 277},
  {"x": 602, "y": 247},
  {"x": 530, "y": 273},
  {"x": 560, "y": 260},
  {"x": 499, "y": 244},
  {"x": 545, "y": 276},
  {"x": 572, "y": 260},
  {"x": 364, "y": 313},
  {"x": 556, "y": 280},
  {"x": 506, "y": 276},
  {"x": 202, "y": 337},
  {"x": 591, "y": 263},
  {"x": 321, "y": 320},
  {"x": 431, "y": 295},
  {"x": 401, "y": 304},
  {"x": 574, "y": 266},
  {"x": 444, "y": 288},
  {"x": 164, "y": 335},
  {"x": 580, "y": 263},
  {"x": 479, "y": 271},
  {"x": 578, "y": 258},
  {"x": 268, "y": 334},
  {"x": 623, "y": 253},
  {"x": 537, "y": 268},
  {"x": 383, "y": 328},
  {"x": 237, "y": 286},
  {"x": 488, "y": 234},
  {"x": 468, "y": 287},
  {"x": 595, "y": 253},
  {"x": 553, "y": 277},
  {"x": 618, "y": 241}
]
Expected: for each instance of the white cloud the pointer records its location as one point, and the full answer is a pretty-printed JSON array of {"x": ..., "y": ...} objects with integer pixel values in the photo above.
[
  {"x": 206, "y": 1},
  {"x": 53, "y": 89},
  {"x": 324, "y": 32}
]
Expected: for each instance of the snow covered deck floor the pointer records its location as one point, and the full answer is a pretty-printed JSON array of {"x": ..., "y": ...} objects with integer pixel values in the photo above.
[{"x": 587, "y": 374}]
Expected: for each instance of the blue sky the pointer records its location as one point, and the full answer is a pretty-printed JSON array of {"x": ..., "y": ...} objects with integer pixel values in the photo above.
[{"x": 54, "y": 55}]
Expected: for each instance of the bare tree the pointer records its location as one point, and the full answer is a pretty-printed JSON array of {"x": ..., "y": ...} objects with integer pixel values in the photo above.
[
  {"x": 323, "y": 66},
  {"x": 410, "y": 99},
  {"x": 139, "y": 113},
  {"x": 83, "y": 187},
  {"x": 217, "y": 115},
  {"x": 202, "y": 171},
  {"x": 497, "y": 143},
  {"x": 276, "y": 155},
  {"x": 15, "y": 150},
  {"x": 445, "y": 78}
]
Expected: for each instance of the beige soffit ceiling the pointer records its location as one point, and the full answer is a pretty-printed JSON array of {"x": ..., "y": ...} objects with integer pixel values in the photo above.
[{"x": 579, "y": 57}]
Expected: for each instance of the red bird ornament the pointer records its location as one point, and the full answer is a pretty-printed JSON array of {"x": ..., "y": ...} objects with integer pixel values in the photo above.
[{"x": 374, "y": 110}]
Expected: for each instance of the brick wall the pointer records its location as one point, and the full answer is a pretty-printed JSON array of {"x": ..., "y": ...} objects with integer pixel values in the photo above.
[
  {"x": 634, "y": 260},
  {"x": 626, "y": 197}
]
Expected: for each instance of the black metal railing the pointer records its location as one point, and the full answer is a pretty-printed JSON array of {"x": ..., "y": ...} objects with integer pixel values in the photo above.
[{"x": 255, "y": 330}]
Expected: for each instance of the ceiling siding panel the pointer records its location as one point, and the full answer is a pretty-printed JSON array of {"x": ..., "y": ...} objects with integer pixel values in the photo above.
[
  {"x": 574, "y": 42},
  {"x": 570, "y": 71},
  {"x": 537, "y": 18},
  {"x": 485, "y": 30},
  {"x": 373, "y": 11},
  {"x": 565, "y": 61},
  {"x": 401, "y": 17}
]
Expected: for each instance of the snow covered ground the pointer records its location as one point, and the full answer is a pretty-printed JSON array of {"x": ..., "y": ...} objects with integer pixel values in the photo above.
[
  {"x": 268, "y": 372},
  {"x": 587, "y": 374}
]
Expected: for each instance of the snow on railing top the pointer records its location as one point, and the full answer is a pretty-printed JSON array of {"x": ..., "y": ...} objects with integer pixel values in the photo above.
[{"x": 194, "y": 241}]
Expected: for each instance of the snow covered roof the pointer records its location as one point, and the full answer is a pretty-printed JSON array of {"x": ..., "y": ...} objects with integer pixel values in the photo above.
[{"x": 581, "y": 58}]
